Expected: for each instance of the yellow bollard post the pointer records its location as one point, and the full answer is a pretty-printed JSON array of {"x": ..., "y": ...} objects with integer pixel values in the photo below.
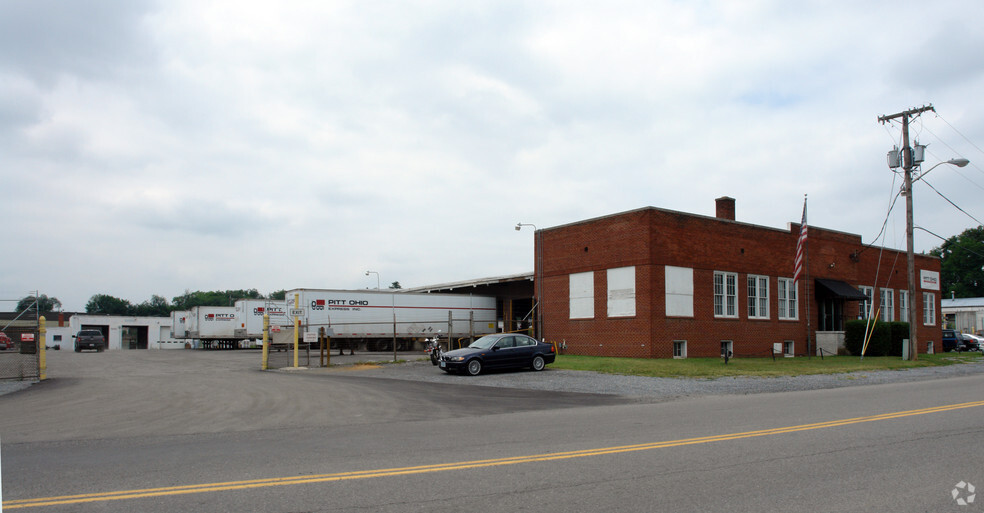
[
  {"x": 297, "y": 330},
  {"x": 266, "y": 341},
  {"x": 42, "y": 358}
]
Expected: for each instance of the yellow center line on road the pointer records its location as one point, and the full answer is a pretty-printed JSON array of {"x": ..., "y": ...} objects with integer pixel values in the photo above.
[{"x": 444, "y": 467}]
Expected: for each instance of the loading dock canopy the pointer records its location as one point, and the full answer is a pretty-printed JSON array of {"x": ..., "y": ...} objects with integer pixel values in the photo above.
[{"x": 839, "y": 290}]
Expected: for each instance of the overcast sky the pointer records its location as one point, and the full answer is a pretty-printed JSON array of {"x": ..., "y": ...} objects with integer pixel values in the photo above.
[{"x": 158, "y": 147}]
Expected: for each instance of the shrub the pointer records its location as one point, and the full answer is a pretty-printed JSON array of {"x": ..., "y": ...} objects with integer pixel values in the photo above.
[
  {"x": 900, "y": 330},
  {"x": 854, "y": 336},
  {"x": 886, "y": 339}
]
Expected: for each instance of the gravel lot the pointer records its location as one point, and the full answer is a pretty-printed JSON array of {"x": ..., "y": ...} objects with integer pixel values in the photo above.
[
  {"x": 417, "y": 369},
  {"x": 657, "y": 388}
]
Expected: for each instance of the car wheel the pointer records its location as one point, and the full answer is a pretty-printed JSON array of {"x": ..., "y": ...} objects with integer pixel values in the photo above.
[
  {"x": 77, "y": 350},
  {"x": 474, "y": 367},
  {"x": 538, "y": 363}
]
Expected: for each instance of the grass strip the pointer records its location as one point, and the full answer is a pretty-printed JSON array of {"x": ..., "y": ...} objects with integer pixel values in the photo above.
[{"x": 710, "y": 368}]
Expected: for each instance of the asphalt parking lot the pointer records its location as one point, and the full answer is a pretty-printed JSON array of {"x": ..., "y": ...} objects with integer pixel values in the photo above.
[
  {"x": 142, "y": 420},
  {"x": 414, "y": 366}
]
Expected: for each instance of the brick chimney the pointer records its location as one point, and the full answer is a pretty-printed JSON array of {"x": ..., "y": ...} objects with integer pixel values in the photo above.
[{"x": 725, "y": 208}]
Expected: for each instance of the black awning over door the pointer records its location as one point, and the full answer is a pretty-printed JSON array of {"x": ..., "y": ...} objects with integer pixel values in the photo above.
[{"x": 838, "y": 290}]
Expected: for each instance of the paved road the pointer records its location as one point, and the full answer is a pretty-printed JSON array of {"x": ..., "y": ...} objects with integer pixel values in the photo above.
[{"x": 124, "y": 421}]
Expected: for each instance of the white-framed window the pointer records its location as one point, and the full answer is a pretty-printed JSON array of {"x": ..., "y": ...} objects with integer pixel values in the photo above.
[
  {"x": 789, "y": 348},
  {"x": 679, "y": 291},
  {"x": 679, "y": 349},
  {"x": 725, "y": 294},
  {"x": 582, "y": 295},
  {"x": 904, "y": 305},
  {"x": 758, "y": 297},
  {"x": 864, "y": 306},
  {"x": 727, "y": 348},
  {"x": 621, "y": 292},
  {"x": 788, "y": 304},
  {"x": 929, "y": 309},
  {"x": 887, "y": 305}
]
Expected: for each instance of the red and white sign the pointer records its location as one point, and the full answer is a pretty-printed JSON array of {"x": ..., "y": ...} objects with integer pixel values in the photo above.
[
  {"x": 27, "y": 337},
  {"x": 929, "y": 280}
]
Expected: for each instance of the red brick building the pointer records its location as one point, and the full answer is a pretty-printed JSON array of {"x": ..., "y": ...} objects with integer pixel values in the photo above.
[{"x": 658, "y": 283}]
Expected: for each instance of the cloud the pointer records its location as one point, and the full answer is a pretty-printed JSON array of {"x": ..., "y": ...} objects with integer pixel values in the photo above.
[{"x": 199, "y": 145}]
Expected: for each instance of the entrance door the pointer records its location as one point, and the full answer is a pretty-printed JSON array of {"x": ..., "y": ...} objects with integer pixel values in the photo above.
[{"x": 831, "y": 314}]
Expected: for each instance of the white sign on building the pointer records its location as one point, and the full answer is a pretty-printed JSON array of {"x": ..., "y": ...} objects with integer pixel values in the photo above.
[{"x": 929, "y": 280}]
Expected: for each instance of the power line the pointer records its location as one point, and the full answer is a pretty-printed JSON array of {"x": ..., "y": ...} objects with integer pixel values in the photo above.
[
  {"x": 950, "y": 202},
  {"x": 965, "y": 248},
  {"x": 978, "y": 148}
]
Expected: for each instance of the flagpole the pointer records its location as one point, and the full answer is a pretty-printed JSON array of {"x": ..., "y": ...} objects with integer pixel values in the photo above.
[
  {"x": 803, "y": 256},
  {"x": 809, "y": 346}
]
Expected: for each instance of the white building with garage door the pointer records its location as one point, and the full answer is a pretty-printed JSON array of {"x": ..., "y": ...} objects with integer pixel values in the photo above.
[{"x": 121, "y": 332}]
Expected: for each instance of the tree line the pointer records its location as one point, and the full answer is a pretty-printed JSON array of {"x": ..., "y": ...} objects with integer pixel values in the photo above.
[{"x": 156, "y": 306}]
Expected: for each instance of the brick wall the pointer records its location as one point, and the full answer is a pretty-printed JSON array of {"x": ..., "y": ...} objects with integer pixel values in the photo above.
[{"x": 650, "y": 239}]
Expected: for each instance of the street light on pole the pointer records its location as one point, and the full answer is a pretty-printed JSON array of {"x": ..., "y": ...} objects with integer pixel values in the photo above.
[
  {"x": 959, "y": 162},
  {"x": 377, "y": 277},
  {"x": 908, "y": 161},
  {"x": 537, "y": 277},
  {"x": 906, "y": 164},
  {"x": 910, "y": 251}
]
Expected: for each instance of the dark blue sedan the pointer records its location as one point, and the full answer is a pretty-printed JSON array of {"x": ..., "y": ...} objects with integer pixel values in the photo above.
[{"x": 499, "y": 351}]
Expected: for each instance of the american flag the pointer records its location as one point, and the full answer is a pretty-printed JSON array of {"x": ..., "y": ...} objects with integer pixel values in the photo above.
[{"x": 800, "y": 247}]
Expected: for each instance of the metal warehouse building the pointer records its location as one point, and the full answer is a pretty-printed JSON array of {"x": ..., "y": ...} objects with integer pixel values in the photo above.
[
  {"x": 659, "y": 283},
  {"x": 120, "y": 332},
  {"x": 965, "y": 315}
]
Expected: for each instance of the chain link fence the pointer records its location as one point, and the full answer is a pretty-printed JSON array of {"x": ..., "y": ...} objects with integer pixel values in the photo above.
[
  {"x": 370, "y": 337},
  {"x": 20, "y": 361}
]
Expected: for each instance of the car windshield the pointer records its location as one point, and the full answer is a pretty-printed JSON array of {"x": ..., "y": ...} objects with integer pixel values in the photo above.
[{"x": 484, "y": 343}]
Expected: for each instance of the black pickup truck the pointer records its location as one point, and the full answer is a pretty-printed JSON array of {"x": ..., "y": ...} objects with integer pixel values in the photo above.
[{"x": 89, "y": 339}]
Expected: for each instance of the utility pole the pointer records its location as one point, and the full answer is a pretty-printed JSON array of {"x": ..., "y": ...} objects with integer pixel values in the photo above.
[{"x": 907, "y": 190}]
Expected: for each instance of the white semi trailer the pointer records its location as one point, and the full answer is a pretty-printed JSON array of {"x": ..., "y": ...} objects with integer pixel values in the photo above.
[
  {"x": 251, "y": 312},
  {"x": 179, "y": 324},
  {"x": 226, "y": 326},
  {"x": 217, "y": 326},
  {"x": 212, "y": 326},
  {"x": 378, "y": 319}
]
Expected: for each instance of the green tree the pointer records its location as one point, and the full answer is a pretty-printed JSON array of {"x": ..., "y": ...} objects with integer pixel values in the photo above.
[
  {"x": 46, "y": 304},
  {"x": 104, "y": 304},
  {"x": 156, "y": 307},
  {"x": 212, "y": 298},
  {"x": 962, "y": 263},
  {"x": 278, "y": 295},
  {"x": 395, "y": 285}
]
